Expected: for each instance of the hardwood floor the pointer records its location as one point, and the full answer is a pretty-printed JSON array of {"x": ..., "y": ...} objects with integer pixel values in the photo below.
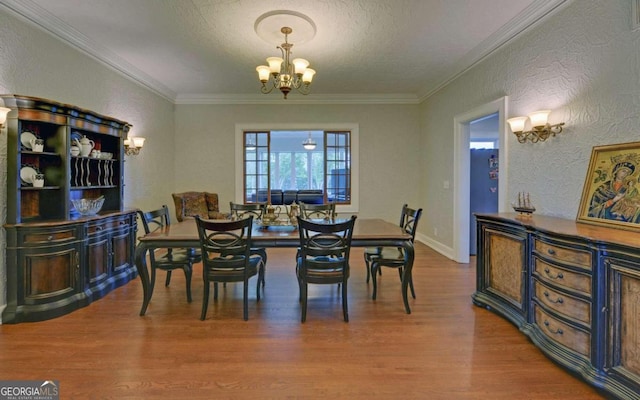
[{"x": 446, "y": 349}]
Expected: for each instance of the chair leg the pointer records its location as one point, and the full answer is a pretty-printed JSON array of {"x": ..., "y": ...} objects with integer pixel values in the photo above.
[
  {"x": 401, "y": 272},
  {"x": 374, "y": 273},
  {"x": 188, "y": 271},
  {"x": 367, "y": 264},
  {"x": 263, "y": 254},
  {"x": 345, "y": 309},
  {"x": 258, "y": 283},
  {"x": 303, "y": 295},
  {"x": 215, "y": 290},
  {"x": 205, "y": 300},
  {"x": 168, "y": 280},
  {"x": 152, "y": 281},
  {"x": 245, "y": 300}
]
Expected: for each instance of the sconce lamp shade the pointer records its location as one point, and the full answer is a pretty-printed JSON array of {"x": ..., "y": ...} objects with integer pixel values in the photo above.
[
  {"x": 138, "y": 141},
  {"x": 3, "y": 115},
  {"x": 517, "y": 123},
  {"x": 133, "y": 145},
  {"x": 539, "y": 118},
  {"x": 540, "y": 128}
]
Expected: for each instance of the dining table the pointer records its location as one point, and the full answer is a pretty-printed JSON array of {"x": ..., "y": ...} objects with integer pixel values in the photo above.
[{"x": 366, "y": 233}]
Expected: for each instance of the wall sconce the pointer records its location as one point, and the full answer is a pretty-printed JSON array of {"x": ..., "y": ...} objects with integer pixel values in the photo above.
[
  {"x": 3, "y": 115},
  {"x": 133, "y": 145},
  {"x": 541, "y": 130}
]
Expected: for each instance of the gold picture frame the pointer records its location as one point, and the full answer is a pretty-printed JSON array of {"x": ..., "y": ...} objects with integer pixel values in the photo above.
[{"x": 611, "y": 192}]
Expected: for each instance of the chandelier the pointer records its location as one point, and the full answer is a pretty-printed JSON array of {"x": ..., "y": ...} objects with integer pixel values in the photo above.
[
  {"x": 309, "y": 144},
  {"x": 285, "y": 74}
]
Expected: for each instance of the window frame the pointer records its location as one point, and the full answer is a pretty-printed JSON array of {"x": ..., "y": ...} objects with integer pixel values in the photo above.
[{"x": 240, "y": 130}]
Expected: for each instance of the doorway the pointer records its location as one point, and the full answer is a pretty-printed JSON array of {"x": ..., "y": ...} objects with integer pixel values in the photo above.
[
  {"x": 484, "y": 171},
  {"x": 462, "y": 176}
]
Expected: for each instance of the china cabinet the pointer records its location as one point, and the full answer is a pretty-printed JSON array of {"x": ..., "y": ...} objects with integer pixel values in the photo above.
[
  {"x": 58, "y": 260},
  {"x": 572, "y": 288}
]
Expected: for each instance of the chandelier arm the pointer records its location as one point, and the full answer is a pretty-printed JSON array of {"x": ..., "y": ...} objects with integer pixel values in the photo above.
[
  {"x": 264, "y": 89},
  {"x": 304, "y": 89}
]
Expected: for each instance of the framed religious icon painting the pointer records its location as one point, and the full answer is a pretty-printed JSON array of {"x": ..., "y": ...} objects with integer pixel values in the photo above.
[{"x": 611, "y": 192}]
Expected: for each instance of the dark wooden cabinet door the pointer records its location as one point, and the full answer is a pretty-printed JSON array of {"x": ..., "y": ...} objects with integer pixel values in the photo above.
[
  {"x": 623, "y": 344},
  {"x": 49, "y": 274},
  {"x": 122, "y": 242},
  {"x": 98, "y": 265}
]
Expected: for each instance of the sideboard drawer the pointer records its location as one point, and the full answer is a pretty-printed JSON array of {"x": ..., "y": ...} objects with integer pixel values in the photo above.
[
  {"x": 579, "y": 258},
  {"x": 567, "y": 305},
  {"x": 49, "y": 236},
  {"x": 562, "y": 333},
  {"x": 562, "y": 277}
]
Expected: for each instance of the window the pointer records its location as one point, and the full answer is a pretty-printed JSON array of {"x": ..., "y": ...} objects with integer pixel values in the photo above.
[
  {"x": 482, "y": 145},
  {"x": 275, "y": 162}
]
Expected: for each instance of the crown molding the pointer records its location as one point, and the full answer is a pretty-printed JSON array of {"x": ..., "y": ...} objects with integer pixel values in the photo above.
[
  {"x": 397, "y": 98},
  {"x": 32, "y": 13},
  {"x": 526, "y": 20}
]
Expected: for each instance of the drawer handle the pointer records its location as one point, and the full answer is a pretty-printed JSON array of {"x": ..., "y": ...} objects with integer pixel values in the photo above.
[
  {"x": 551, "y": 251},
  {"x": 98, "y": 228},
  {"x": 559, "y": 276},
  {"x": 559, "y": 301},
  {"x": 556, "y": 332},
  {"x": 50, "y": 237}
]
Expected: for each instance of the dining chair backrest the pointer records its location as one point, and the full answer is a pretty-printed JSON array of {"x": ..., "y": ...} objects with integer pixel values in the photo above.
[
  {"x": 325, "y": 244},
  {"x": 409, "y": 219},
  {"x": 318, "y": 211},
  {"x": 155, "y": 219},
  {"x": 239, "y": 210},
  {"x": 232, "y": 238}
]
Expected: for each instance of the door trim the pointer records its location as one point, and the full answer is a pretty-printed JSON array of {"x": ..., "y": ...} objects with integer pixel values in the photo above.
[{"x": 461, "y": 174}]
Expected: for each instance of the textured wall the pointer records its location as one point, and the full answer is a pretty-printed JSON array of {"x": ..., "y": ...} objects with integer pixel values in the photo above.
[
  {"x": 388, "y": 160},
  {"x": 583, "y": 64},
  {"x": 35, "y": 64}
]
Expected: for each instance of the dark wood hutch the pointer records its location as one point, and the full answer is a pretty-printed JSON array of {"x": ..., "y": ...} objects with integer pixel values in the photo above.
[
  {"x": 572, "y": 288},
  {"x": 57, "y": 260}
]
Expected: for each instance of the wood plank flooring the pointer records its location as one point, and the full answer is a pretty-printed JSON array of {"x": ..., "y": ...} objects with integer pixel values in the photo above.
[{"x": 446, "y": 349}]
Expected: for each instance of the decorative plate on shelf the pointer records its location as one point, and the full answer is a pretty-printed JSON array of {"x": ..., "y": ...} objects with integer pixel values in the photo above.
[
  {"x": 75, "y": 136},
  {"x": 26, "y": 174},
  {"x": 26, "y": 137}
]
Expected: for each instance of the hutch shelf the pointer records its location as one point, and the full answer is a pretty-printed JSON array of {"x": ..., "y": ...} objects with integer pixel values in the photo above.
[
  {"x": 57, "y": 260},
  {"x": 572, "y": 288}
]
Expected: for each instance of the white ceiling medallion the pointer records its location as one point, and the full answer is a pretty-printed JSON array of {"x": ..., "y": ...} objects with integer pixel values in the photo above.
[{"x": 268, "y": 26}]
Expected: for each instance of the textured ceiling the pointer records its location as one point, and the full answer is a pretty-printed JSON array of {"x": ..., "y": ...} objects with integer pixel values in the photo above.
[{"x": 207, "y": 50}]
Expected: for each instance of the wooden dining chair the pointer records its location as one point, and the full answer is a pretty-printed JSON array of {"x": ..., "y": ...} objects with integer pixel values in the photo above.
[
  {"x": 324, "y": 258},
  {"x": 167, "y": 259},
  {"x": 226, "y": 257},
  {"x": 255, "y": 210},
  {"x": 325, "y": 211},
  {"x": 393, "y": 257}
]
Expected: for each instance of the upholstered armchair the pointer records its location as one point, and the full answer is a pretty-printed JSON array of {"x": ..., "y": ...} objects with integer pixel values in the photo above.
[{"x": 190, "y": 204}]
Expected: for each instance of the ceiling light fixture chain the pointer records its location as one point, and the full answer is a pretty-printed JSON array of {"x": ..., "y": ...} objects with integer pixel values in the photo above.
[{"x": 284, "y": 73}]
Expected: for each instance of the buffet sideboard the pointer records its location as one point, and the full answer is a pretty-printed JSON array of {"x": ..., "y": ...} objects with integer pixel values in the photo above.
[
  {"x": 56, "y": 259},
  {"x": 572, "y": 288}
]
